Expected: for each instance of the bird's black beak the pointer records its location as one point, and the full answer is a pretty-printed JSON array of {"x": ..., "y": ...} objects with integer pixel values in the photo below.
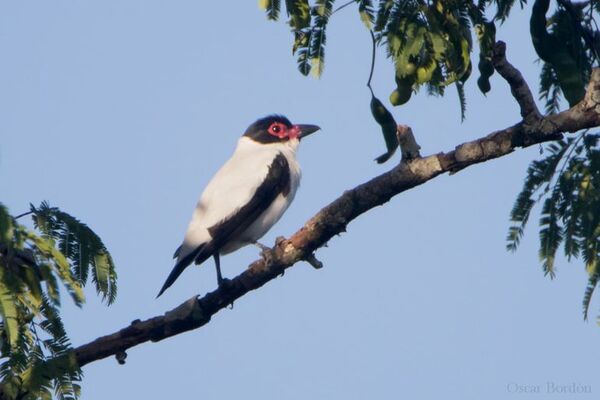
[{"x": 306, "y": 129}]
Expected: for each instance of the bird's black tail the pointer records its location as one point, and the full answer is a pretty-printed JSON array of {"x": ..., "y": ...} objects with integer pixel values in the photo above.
[{"x": 199, "y": 255}]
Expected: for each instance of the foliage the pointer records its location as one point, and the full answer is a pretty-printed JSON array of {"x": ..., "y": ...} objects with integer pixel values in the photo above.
[
  {"x": 430, "y": 44},
  {"x": 567, "y": 184},
  {"x": 33, "y": 341},
  {"x": 568, "y": 45},
  {"x": 568, "y": 177}
]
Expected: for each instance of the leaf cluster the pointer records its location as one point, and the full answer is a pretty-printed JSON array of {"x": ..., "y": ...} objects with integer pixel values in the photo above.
[
  {"x": 567, "y": 184},
  {"x": 33, "y": 264},
  {"x": 308, "y": 25},
  {"x": 429, "y": 42},
  {"x": 568, "y": 44}
]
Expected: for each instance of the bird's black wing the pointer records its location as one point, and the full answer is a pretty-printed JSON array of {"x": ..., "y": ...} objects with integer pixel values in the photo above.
[{"x": 277, "y": 181}]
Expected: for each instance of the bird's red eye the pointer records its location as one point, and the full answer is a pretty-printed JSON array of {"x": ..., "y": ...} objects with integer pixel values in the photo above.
[{"x": 277, "y": 129}]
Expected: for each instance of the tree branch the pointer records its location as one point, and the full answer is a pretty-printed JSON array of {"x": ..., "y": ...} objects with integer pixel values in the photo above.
[
  {"x": 518, "y": 86},
  {"x": 333, "y": 219}
]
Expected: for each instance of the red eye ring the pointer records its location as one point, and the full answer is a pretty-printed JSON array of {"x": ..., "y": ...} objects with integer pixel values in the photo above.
[{"x": 278, "y": 129}]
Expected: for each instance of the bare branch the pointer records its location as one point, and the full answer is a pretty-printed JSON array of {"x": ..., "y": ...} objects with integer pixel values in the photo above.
[
  {"x": 518, "y": 86},
  {"x": 333, "y": 219}
]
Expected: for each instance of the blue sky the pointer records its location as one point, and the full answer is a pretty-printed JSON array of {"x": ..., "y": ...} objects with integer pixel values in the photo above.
[{"x": 119, "y": 112}]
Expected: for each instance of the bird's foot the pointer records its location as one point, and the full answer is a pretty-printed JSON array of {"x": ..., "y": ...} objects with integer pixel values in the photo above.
[
  {"x": 262, "y": 247},
  {"x": 267, "y": 255},
  {"x": 265, "y": 252},
  {"x": 226, "y": 284},
  {"x": 279, "y": 240},
  {"x": 121, "y": 356}
]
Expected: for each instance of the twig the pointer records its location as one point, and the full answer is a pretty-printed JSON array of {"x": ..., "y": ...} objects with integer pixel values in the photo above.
[
  {"x": 24, "y": 214},
  {"x": 312, "y": 260},
  {"x": 343, "y": 6},
  {"x": 372, "y": 62},
  {"x": 518, "y": 86},
  {"x": 568, "y": 155}
]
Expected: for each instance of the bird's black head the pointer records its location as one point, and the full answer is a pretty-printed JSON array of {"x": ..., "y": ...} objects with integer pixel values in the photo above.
[{"x": 277, "y": 128}]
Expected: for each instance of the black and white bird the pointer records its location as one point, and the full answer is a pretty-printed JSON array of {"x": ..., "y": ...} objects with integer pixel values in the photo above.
[{"x": 246, "y": 197}]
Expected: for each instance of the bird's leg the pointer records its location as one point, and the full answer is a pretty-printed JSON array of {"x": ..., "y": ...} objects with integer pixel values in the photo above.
[
  {"x": 223, "y": 283},
  {"x": 218, "y": 265}
]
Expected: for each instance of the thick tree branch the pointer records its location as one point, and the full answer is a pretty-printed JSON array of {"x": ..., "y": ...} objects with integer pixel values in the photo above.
[
  {"x": 518, "y": 86},
  {"x": 333, "y": 219}
]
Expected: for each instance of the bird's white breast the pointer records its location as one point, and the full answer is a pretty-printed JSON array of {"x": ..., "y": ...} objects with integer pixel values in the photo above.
[
  {"x": 233, "y": 186},
  {"x": 270, "y": 216}
]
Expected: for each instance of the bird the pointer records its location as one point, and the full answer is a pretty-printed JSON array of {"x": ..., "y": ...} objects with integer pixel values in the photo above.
[{"x": 246, "y": 197}]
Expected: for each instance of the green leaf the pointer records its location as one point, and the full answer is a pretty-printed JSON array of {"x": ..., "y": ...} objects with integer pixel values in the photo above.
[
  {"x": 550, "y": 89},
  {"x": 367, "y": 16},
  {"x": 303, "y": 39},
  {"x": 539, "y": 173},
  {"x": 569, "y": 181},
  {"x": 60, "y": 265},
  {"x": 271, "y": 7},
  {"x": 51, "y": 282},
  {"x": 299, "y": 13},
  {"x": 563, "y": 48},
  {"x": 8, "y": 310},
  {"x": 316, "y": 52},
  {"x": 104, "y": 277},
  {"x": 550, "y": 233},
  {"x": 317, "y": 64},
  {"x": 591, "y": 286},
  {"x": 80, "y": 245},
  {"x": 6, "y": 226},
  {"x": 382, "y": 15},
  {"x": 504, "y": 7},
  {"x": 462, "y": 99}
]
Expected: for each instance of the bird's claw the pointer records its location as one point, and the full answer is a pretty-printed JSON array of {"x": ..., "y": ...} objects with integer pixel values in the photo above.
[
  {"x": 121, "y": 356},
  {"x": 225, "y": 283},
  {"x": 267, "y": 255}
]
